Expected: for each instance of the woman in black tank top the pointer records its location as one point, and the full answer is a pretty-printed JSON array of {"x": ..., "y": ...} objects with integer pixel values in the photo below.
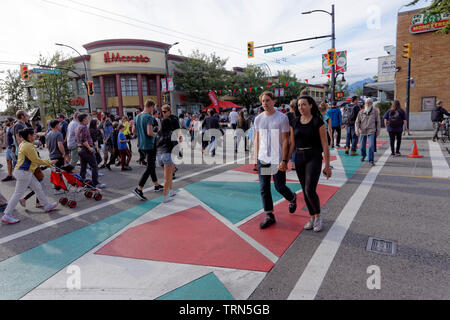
[{"x": 309, "y": 140}]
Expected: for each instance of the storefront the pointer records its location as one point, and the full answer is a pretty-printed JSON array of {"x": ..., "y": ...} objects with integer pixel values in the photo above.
[
  {"x": 430, "y": 64},
  {"x": 125, "y": 72}
]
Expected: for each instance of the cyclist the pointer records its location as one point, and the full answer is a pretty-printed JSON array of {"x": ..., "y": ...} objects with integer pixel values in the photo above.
[{"x": 437, "y": 116}]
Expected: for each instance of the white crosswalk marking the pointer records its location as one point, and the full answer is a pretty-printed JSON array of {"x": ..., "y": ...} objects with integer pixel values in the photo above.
[{"x": 438, "y": 161}]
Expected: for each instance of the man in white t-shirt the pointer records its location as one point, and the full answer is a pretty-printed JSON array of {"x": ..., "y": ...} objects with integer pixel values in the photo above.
[
  {"x": 271, "y": 151},
  {"x": 234, "y": 118}
]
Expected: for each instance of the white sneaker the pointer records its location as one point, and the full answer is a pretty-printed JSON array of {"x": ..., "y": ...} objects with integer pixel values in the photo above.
[
  {"x": 23, "y": 202},
  {"x": 318, "y": 224},
  {"x": 9, "y": 219},
  {"x": 100, "y": 186},
  {"x": 172, "y": 193},
  {"x": 167, "y": 199},
  {"x": 50, "y": 207},
  {"x": 310, "y": 224}
]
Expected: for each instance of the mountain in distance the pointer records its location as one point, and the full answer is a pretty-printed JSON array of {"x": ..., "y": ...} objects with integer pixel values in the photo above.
[{"x": 352, "y": 87}]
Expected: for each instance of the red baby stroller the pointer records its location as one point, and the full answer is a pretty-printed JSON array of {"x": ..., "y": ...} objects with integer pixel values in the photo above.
[{"x": 74, "y": 186}]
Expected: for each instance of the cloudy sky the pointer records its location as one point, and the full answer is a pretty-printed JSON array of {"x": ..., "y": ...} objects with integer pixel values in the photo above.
[{"x": 363, "y": 28}]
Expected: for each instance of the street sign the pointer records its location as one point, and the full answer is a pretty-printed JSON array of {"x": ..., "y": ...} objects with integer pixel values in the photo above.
[
  {"x": 47, "y": 71},
  {"x": 275, "y": 49}
]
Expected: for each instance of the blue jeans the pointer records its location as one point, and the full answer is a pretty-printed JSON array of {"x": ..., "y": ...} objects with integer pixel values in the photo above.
[
  {"x": 351, "y": 137},
  {"x": 371, "y": 146}
]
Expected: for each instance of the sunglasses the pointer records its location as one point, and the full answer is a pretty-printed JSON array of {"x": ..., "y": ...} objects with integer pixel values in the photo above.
[{"x": 165, "y": 111}]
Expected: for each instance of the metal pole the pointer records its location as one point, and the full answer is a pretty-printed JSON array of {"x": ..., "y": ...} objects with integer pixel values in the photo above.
[
  {"x": 167, "y": 75},
  {"x": 408, "y": 90},
  {"x": 333, "y": 45}
]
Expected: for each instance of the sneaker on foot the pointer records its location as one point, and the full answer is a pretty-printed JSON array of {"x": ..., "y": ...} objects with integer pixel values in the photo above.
[
  {"x": 100, "y": 186},
  {"x": 363, "y": 158},
  {"x": 168, "y": 199},
  {"x": 293, "y": 205},
  {"x": 8, "y": 178},
  {"x": 318, "y": 224},
  {"x": 347, "y": 149},
  {"x": 23, "y": 202},
  {"x": 372, "y": 164},
  {"x": 139, "y": 194},
  {"x": 353, "y": 153},
  {"x": 9, "y": 219},
  {"x": 268, "y": 221},
  {"x": 310, "y": 224},
  {"x": 50, "y": 207},
  {"x": 398, "y": 154},
  {"x": 172, "y": 193},
  {"x": 159, "y": 188}
]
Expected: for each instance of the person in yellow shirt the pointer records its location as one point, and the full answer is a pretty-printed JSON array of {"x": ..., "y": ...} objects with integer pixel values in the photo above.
[
  {"x": 127, "y": 130},
  {"x": 27, "y": 162}
]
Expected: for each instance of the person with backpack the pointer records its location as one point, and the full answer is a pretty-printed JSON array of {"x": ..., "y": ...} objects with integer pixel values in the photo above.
[
  {"x": 395, "y": 122},
  {"x": 367, "y": 127},
  {"x": 336, "y": 122},
  {"x": 437, "y": 115},
  {"x": 350, "y": 113}
]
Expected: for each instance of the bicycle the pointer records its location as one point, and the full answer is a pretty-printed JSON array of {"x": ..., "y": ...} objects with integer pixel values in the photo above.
[{"x": 444, "y": 130}]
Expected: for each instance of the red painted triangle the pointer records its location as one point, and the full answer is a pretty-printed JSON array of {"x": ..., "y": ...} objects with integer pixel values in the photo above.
[{"x": 192, "y": 236}]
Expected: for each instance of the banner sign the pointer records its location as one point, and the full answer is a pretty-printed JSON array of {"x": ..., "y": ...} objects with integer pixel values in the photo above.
[
  {"x": 163, "y": 85},
  {"x": 170, "y": 85},
  {"x": 213, "y": 98},
  {"x": 426, "y": 22},
  {"x": 341, "y": 65}
]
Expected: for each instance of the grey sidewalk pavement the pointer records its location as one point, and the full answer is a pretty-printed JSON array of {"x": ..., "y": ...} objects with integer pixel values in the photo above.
[{"x": 414, "y": 135}]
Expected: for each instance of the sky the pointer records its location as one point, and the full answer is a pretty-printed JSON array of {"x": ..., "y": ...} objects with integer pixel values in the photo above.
[{"x": 363, "y": 28}]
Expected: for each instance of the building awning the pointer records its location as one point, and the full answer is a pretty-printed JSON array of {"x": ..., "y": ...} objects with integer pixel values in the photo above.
[{"x": 388, "y": 86}]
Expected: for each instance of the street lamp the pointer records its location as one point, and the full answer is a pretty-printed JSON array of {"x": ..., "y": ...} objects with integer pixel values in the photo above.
[
  {"x": 333, "y": 42},
  {"x": 85, "y": 71},
  {"x": 167, "y": 65},
  {"x": 367, "y": 59}
]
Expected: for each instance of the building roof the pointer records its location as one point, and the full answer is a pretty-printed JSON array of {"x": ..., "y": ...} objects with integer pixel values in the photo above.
[{"x": 125, "y": 43}]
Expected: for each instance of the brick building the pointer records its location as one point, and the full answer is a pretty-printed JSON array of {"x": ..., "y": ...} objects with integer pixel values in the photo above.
[{"x": 430, "y": 65}]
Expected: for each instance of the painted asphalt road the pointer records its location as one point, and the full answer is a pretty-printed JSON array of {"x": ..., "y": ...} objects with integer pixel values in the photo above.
[{"x": 266, "y": 265}]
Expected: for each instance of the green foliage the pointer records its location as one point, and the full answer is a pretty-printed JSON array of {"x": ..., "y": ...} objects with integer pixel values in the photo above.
[
  {"x": 14, "y": 92},
  {"x": 436, "y": 7},
  {"x": 253, "y": 77},
  {"x": 199, "y": 73},
  {"x": 384, "y": 106},
  {"x": 54, "y": 90}
]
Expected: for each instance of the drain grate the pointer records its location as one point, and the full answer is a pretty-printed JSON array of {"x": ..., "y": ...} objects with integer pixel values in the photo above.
[{"x": 382, "y": 246}]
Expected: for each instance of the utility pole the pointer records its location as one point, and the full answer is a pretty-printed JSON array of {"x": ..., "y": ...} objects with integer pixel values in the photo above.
[
  {"x": 407, "y": 55},
  {"x": 333, "y": 45}
]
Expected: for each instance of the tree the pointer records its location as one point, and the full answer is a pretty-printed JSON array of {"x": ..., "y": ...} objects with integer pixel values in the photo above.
[
  {"x": 199, "y": 73},
  {"x": 250, "y": 83},
  {"x": 14, "y": 92},
  {"x": 55, "y": 91},
  {"x": 293, "y": 88},
  {"x": 437, "y": 7}
]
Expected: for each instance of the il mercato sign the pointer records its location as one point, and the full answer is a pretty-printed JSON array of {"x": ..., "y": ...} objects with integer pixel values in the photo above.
[
  {"x": 116, "y": 57},
  {"x": 428, "y": 22}
]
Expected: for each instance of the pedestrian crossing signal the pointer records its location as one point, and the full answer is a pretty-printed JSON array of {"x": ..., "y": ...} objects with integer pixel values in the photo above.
[
  {"x": 251, "y": 49},
  {"x": 90, "y": 85},
  {"x": 331, "y": 57},
  {"x": 407, "y": 50},
  {"x": 24, "y": 73}
]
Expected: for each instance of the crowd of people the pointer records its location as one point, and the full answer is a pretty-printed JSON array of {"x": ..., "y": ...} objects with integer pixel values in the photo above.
[{"x": 305, "y": 132}]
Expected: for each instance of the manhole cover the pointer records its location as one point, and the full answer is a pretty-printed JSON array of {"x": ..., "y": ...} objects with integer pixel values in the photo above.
[{"x": 382, "y": 246}]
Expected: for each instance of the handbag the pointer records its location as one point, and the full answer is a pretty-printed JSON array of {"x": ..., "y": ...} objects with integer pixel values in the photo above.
[{"x": 39, "y": 174}]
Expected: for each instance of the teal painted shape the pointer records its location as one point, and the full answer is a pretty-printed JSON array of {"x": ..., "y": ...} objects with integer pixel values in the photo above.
[
  {"x": 350, "y": 163},
  {"x": 234, "y": 200},
  {"x": 24, "y": 272},
  {"x": 205, "y": 288}
]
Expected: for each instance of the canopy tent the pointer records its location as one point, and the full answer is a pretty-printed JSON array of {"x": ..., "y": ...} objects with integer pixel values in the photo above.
[{"x": 223, "y": 106}]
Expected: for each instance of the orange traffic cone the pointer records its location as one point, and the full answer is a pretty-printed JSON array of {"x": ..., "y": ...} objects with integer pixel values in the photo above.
[{"x": 415, "y": 152}]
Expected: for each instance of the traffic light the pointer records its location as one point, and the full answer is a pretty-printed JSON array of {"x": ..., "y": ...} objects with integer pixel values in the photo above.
[
  {"x": 24, "y": 73},
  {"x": 331, "y": 57},
  {"x": 251, "y": 49},
  {"x": 90, "y": 85},
  {"x": 407, "y": 50},
  {"x": 339, "y": 96}
]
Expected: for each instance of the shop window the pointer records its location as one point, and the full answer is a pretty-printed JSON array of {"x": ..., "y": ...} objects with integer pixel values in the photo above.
[
  {"x": 97, "y": 88},
  {"x": 81, "y": 88},
  {"x": 129, "y": 85},
  {"x": 153, "y": 90},
  {"x": 110, "y": 87}
]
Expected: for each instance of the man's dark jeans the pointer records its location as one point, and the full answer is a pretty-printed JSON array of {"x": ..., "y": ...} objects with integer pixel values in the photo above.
[
  {"x": 151, "y": 167},
  {"x": 279, "y": 179},
  {"x": 351, "y": 137},
  {"x": 88, "y": 158}
]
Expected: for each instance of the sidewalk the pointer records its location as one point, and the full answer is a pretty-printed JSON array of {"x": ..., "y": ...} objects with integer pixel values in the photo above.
[{"x": 414, "y": 135}]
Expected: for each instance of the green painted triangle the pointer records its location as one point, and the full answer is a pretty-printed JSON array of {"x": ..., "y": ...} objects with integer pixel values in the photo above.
[
  {"x": 234, "y": 200},
  {"x": 350, "y": 163},
  {"x": 206, "y": 288}
]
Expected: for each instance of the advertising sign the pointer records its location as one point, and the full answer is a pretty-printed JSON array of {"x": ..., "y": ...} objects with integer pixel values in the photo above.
[
  {"x": 426, "y": 22},
  {"x": 163, "y": 85}
]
